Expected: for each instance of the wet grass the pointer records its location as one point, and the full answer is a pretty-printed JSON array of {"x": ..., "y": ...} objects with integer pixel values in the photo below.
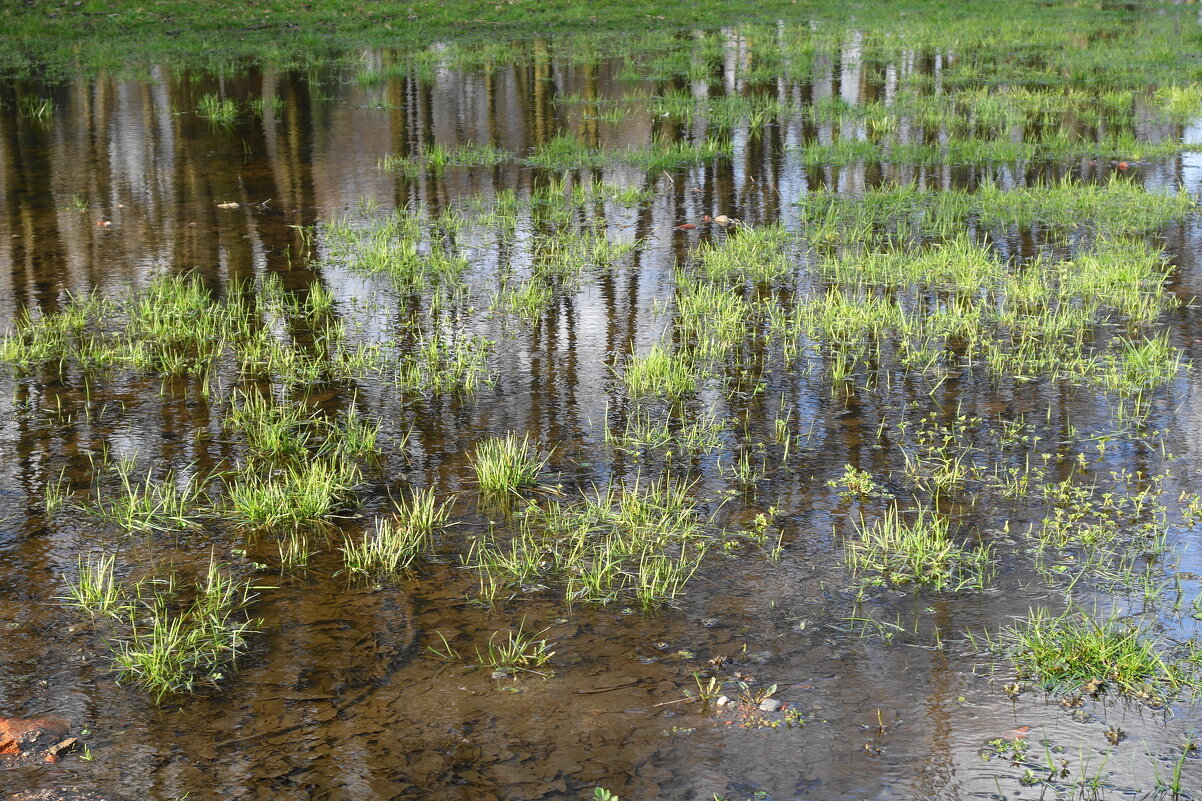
[
  {"x": 171, "y": 648},
  {"x": 396, "y": 542},
  {"x": 95, "y": 589},
  {"x": 165, "y": 637},
  {"x": 297, "y": 496},
  {"x": 850, "y": 338},
  {"x": 147, "y": 504},
  {"x": 896, "y": 551},
  {"x": 1075, "y": 652},
  {"x": 505, "y": 466},
  {"x": 437, "y": 158},
  {"x": 568, "y": 152},
  {"x": 217, "y": 110},
  {"x": 519, "y": 651},
  {"x": 906, "y": 212}
]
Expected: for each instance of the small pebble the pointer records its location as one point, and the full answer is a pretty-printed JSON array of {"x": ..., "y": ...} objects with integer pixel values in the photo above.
[
  {"x": 769, "y": 705},
  {"x": 722, "y": 700}
]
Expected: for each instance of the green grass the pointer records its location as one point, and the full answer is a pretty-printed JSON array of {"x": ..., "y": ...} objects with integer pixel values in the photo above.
[
  {"x": 904, "y": 212},
  {"x": 568, "y": 152},
  {"x": 505, "y": 465},
  {"x": 294, "y": 497},
  {"x": 168, "y": 649},
  {"x": 217, "y": 110},
  {"x": 517, "y": 651},
  {"x": 436, "y": 158},
  {"x": 1074, "y": 651},
  {"x": 396, "y": 542},
  {"x": 897, "y": 552},
  {"x": 271, "y": 430},
  {"x": 145, "y": 504},
  {"x": 995, "y": 41},
  {"x": 659, "y": 373},
  {"x": 95, "y": 589},
  {"x": 164, "y": 636}
]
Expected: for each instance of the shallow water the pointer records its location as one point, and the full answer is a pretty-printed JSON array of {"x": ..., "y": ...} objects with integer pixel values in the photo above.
[{"x": 340, "y": 696}]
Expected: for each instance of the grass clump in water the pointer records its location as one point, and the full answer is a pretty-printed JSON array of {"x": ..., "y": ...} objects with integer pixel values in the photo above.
[
  {"x": 644, "y": 541},
  {"x": 659, "y": 374},
  {"x": 166, "y": 639},
  {"x": 1075, "y": 651},
  {"x": 758, "y": 254},
  {"x": 506, "y": 465},
  {"x": 569, "y": 152},
  {"x": 172, "y": 648},
  {"x": 145, "y": 505},
  {"x": 217, "y": 110},
  {"x": 272, "y": 430},
  {"x": 95, "y": 589},
  {"x": 895, "y": 552},
  {"x": 436, "y": 158},
  {"x": 294, "y": 497},
  {"x": 397, "y": 541},
  {"x": 517, "y": 652}
]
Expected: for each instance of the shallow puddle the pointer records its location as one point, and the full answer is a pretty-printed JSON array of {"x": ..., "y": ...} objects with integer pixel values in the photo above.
[{"x": 361, "y": 256}]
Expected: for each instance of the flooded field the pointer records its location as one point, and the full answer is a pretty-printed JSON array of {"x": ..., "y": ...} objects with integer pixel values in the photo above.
[{"x": 777, "y": 412}]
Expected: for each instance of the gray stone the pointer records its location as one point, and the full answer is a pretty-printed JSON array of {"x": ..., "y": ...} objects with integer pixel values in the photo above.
[{"x": 769, "y": 705}]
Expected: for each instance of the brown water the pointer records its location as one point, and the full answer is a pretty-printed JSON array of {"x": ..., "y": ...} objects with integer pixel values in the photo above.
[{"x": 339, "y": 698}]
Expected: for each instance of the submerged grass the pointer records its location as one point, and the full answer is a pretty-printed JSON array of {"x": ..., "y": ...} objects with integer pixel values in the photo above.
[
  {"x": 905, "y": 212},
  {"x": 148, "y": 505}
]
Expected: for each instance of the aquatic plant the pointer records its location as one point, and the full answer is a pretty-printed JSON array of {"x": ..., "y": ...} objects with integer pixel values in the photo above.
[
  {"x": 168, "y": 649},
  {"x": 436, "y": 158},
  {"x": 1079, "y": 652},
  {"x": 96, "y": 590},
  {"x": 295, "y": 496},
  {"x": 659, "y": 373},
  {"x": 898, "y": 552},
  {"x": 217, "y": 109},
  {"x": 518, "y": 651},
  {"x": 568, "y": 152},
  {"x": 396, "y": 542},
  {"x": 506, "y": 465},
  {"x": 171, "y": 503},
  {"x": 272, "y": 430}
]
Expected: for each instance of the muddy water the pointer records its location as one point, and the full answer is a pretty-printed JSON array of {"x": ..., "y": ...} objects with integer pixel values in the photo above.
[{"x": 340, "y": 697}]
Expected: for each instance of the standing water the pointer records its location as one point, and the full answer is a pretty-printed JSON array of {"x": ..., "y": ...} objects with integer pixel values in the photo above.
[{"x": 775, "y": 412}]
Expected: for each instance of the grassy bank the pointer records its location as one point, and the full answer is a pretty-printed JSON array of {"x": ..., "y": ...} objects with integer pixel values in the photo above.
[{"x": 61, "y": 38}]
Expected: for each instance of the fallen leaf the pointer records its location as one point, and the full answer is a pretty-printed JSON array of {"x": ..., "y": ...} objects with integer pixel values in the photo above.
[
  {"x": 686, "y": 227},
  {"x": 228, "y": 205}
]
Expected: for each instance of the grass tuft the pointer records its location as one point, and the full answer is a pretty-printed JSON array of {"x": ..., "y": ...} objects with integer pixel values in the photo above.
[{"x": 506, "y": 465}]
